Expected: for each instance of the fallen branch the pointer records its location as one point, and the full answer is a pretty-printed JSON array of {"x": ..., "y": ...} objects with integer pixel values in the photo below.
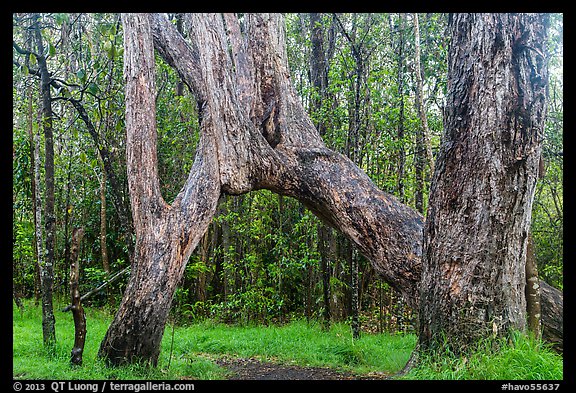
[{"x": 94, "y": 291}]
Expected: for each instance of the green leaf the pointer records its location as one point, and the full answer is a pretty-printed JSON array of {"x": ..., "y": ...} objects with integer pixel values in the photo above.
[
  {"x": 83, "y": 157},
  {"x": 110, "y": 49},
  {"x": 81, "y": 74},
  {"x": 52, "y": 49},
  {"x": 61, "y": 18},
  {"x": 93, "y": 88}
]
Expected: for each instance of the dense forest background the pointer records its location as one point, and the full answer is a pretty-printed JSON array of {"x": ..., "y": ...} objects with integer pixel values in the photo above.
[{"x": 374, "y": 84}]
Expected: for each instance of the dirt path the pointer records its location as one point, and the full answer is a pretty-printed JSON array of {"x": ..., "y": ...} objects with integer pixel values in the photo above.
[{"x": 254, "y": 369}]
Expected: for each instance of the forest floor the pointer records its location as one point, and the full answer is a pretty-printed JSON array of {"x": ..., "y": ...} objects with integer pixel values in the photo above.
[{"x": 254, "y": 369}]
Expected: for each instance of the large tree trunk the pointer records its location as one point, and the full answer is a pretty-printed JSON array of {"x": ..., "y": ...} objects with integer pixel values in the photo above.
[
  {"x": 476, "y": 233},
  {"x": 255, "y": 134},
  {"x": 165, "y": 234}
]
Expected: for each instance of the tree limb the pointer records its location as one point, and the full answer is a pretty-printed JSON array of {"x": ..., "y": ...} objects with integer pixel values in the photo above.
[{"x": 117, "y": 276}]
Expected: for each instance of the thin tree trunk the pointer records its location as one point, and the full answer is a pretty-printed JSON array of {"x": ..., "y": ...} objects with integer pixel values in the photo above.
[
  {"x": 319, "y": 79},
  {"x": 103, "y": 183},
  {"x": 419, "y": 89},
  {"x": 318, "y": 69},
  {"x": 205, "y": 258},
  {"x": 324, "y": 235},
  {"x": 103, "y": 232},
  {"x": 68, "y": 211},
  {"x": 533, "y": 303},
  {"x": 35, "y": 176},
  {"x": 354, "y": 293},
  {"x": 337, "y": 307},
  {"x": 38, "y": 234},
  {"x": 47, "y": 267},
  {"x": 533, "y": 307},
  {"x": 400, "y": 128},
  {"x": 77, "y": 309},
  {"x": 475, "y": 239},
  {"x": 309, "y": 286},
  {"x": 225, "y": 227},
  {"x": 217, "y": 279}
]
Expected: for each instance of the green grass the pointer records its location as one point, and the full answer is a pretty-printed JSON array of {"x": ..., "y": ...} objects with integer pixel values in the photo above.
[
  {"x": 298, "y": 343},
  {"x": 195, "y": 347},
  {"x": 521, "y": 358},
  {"x": 31, "y": 360}
]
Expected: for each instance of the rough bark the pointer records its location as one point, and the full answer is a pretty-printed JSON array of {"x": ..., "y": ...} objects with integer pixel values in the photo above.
[
  {"x": 77, "y": 309},
  {"x": 475, "y": 238},
  {"x": 552, "y": 306},
  {"x": 255, "y": 134}
]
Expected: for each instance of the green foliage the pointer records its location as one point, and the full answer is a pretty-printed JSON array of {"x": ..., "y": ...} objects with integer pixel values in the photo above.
[
  {"x": 548, "y": 208},
  {"x": 77, "y": 48},
  {"x": 255, "y": 305},
  {"x": 23, "y": 256},
  {"x": 178, "y": 131}
]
